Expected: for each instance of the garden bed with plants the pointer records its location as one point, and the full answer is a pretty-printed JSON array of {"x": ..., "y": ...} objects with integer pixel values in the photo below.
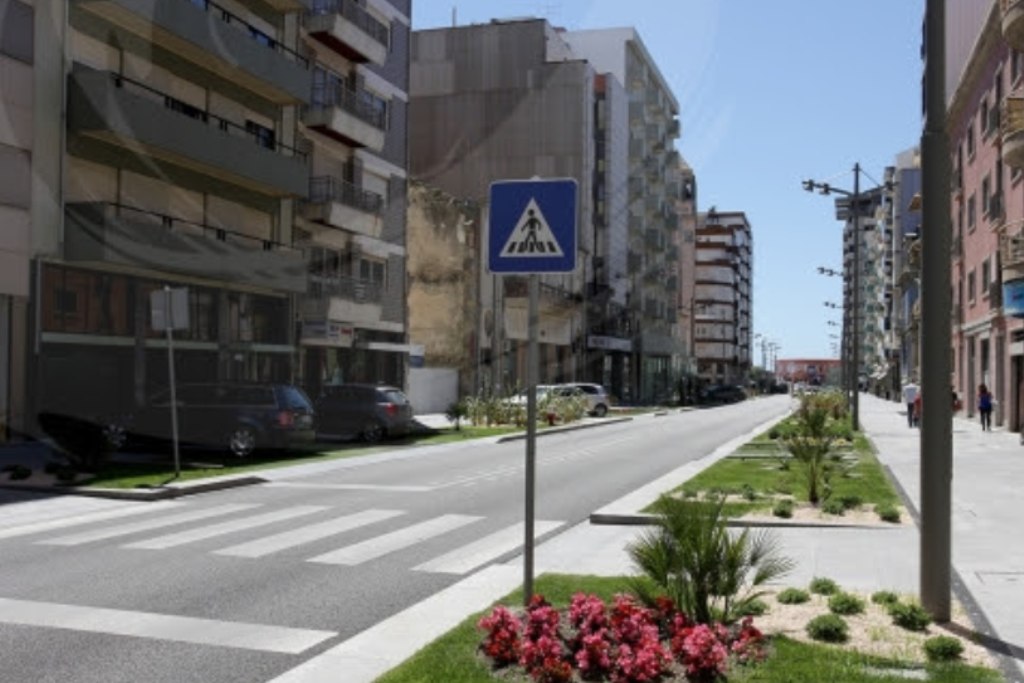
[
  {"x": 487, "y": 410},
  {"x": 704, "y": 608},
  {"x": 811, "y": 467}
]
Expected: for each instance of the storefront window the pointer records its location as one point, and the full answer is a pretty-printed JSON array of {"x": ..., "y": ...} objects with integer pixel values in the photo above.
[{"x": 85, "y": 302}]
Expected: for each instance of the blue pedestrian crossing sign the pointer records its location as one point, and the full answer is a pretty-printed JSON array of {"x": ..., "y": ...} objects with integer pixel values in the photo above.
[{"x": 532, "y": 226}]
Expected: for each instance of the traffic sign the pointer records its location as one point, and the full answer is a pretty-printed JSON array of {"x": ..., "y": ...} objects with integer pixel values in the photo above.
[{"x": 532, "y": 226}]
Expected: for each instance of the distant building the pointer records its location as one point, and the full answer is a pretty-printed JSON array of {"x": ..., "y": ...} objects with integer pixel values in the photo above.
[
  {"x": 816, "y": 371},
  {"x": 723, "y": 297}
]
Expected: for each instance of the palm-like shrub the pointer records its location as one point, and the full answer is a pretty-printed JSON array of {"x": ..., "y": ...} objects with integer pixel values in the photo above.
[
  {"x": 693, "y": 559},
  {"x": 811, "y": 447}
]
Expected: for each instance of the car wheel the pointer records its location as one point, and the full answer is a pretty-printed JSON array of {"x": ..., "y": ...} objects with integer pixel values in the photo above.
[
  {"x": 242, "y": 441},
  {"x": 601, "y": 410},
  {"x": 116, "y": 435},
  {"x": 373, "y": 432}
]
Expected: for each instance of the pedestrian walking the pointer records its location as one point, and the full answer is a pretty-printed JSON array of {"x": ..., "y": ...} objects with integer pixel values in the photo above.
[
  {"x": 917, "y": 409},
  {"x": 910, "y": 392},
  {"x": 985, "y": 407}
]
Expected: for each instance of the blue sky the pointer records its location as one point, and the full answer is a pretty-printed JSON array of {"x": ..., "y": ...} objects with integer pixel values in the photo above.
[{"x": 770, "y": 93}]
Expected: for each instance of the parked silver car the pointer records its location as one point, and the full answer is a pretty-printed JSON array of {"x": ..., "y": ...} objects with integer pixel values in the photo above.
[{"x": 595, "y": 395}]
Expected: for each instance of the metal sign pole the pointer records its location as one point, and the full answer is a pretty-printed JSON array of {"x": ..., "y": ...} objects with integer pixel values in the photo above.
[
  {"x": 170, "y": 372},
  {"x": 531, "y": 437}
]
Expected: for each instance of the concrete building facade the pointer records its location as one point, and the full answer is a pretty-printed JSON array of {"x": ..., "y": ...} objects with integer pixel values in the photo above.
[
  {"x": 353, "y": 225},
  {"x": 509, "y": 100},
  {"x": 723, "y": 297}
]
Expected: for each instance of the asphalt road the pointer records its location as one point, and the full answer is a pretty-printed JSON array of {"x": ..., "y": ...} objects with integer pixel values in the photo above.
[{"x": 245, "y": 584}]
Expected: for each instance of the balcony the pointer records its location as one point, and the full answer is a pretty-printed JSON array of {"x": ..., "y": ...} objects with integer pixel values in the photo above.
[
  {"x": 1013, "y": 22},
  {"x": 144, "y": 122},
  {"x": 340, "y": 204},
  {"x": 112, "y": 234},
  {"x": 349, "y": 29},
  {"x": 212, "y": 38},
  {"x": 1013, "y": 130},
  {"x": 342, "y": 298},
  {"x": 1011, "y": 256},
  {"x": 354, "y": 117}
]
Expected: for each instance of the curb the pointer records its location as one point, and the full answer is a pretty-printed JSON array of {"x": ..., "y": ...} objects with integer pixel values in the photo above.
[
  {"x": 562, "y": 430},
  {"x": 643, "y": 519},
  {"x": 144, "y": 494}
]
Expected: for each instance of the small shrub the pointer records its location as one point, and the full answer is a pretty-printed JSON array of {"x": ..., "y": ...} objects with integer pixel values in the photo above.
[
  {"x": 851, "y": 501},
  {"x": 753, "y": 608},
  {"x": 793, "y": 596},
  {"x": 824, "y": 586},
  {"x": 456, "y": 413},
  {"x": 909, "y": 615},
  {"x": 773, "y": 433},
  {"x": 845, "y": 603},
  {"x": 689, "y": 494},
  {"x": 943, "y": 649},
  {"x": 829, "y": 628},
  {"x": 888, "y": 513},
  {"x": 748, "y": 492},
  {"x": 833, "y": 507},
  {"x": 783, "y": 508},
  {"x": 884, "y": 598}
]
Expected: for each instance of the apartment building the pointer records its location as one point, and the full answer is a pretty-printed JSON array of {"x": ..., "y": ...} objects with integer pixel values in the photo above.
[
  {"x": 986, "y": 124},
  {"x": 653, "y": 221},
  {"x": 723, "y": 297},
  {"x": 177, "y": 164},
  {"x": 509, "y": 100},
  {"x": 683, "y": 182},
  {"x": 353, "y": 225},
  {"x": 902, "y": 197},
  {"x": 17, "y": 57}
]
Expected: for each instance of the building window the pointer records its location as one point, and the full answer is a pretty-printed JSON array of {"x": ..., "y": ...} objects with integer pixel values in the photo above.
[
  {"x": 970, "y": 287},
  {"x": 970, "y": 140},
  {"x": 373, "y": 271},
  {"x": 985, "y": 127},
  {"x": 986, "y": 195},
  {"x": 986, "y": 277},
  {"x": 971, "y": 212},
  {"x": 263, "y": 136}
]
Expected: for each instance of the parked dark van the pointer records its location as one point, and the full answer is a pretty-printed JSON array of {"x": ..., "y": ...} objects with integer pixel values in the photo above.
[
  {"x": 366, "y": 411},
  {"x": 239, "y": 418}
]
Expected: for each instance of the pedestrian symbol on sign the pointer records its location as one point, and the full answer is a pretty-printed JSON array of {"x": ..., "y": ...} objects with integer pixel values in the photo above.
[{"x": 532, "y": 236}]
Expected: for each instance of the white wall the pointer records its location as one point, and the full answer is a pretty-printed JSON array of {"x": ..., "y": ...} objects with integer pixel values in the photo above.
[{"x": 432, "y": 390}]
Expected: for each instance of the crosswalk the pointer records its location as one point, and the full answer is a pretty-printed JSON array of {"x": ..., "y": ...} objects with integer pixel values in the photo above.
[{"x": 233, "y": 526}]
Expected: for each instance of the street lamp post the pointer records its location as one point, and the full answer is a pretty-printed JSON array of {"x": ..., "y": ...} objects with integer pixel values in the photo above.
[
  {"x": 826, "y": 189},
  {"x": 845, "y": 363}
]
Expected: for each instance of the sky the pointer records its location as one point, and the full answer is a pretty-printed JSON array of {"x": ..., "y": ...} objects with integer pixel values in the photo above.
[{"x": 770, "y": 93}]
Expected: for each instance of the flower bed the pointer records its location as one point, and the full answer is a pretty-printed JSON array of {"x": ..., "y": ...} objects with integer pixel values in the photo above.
[{"x": 621, "y": 642}]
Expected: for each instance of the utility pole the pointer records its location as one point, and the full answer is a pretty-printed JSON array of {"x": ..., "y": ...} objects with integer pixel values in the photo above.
[
  {"x": 937, "y": 418},
  {"x": 856, "y": 297}
]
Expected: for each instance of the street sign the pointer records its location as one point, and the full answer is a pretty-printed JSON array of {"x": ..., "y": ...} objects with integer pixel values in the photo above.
[
  {"x": 169, "y": 309},
  {"x": 532, "y": 226}
]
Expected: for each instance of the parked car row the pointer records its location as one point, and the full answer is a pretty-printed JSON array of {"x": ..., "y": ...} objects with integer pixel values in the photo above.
[
  {"x": 723, "y": 393},
  {"x": 243, "y": 418}
]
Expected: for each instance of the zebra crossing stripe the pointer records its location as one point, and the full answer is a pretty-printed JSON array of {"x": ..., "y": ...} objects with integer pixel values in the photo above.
[
  {"x": 202, "y": 533},
  {"x": 388, "y": 543},
  {"x": 488, "y": 548},
  {"x": 118, "y": 622},
  {"x": 78, "y": 520},
  {"x": 308, "y": 534},
  {"x": 148, "y": 525}
]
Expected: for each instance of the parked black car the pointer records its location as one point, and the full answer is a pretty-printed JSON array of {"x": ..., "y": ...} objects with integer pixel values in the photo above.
[
  {"x": 366, "y": 411},
  {"x": 723, "y": 393},
  {"x": 240, "y": 418}
]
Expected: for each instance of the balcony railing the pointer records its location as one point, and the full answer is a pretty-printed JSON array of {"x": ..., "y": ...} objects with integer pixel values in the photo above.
[
  {"x": 185, "y": 227},
  {"x": 242, "y": 25},
  {"x": 360, "y": 103},
  {"x": 355, "y": 14},
  {"x": 259, "y": 135},
  {"x": 324, "y": 189},
  {"x": 359, "y": 291},
  {"x": 1013, "y": 130}
]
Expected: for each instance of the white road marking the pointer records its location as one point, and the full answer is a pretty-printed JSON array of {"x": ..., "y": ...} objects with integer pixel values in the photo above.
[
  {"x": 352, "y": 487},
  {"x": 77, "y": 520},
  {"x": 388, "y": 543},
  {"x": 471, "y": 556},
  {"x": 117, "y": 622},
  {"x": 135, "y": 527},
  {"x": 308, "y": 534},
  {"x": 202, "y": 533}
]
